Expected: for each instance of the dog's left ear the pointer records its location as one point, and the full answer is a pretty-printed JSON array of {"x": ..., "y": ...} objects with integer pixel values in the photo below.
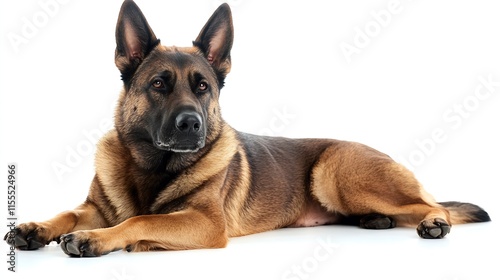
[{"x": 216, "y": 39}]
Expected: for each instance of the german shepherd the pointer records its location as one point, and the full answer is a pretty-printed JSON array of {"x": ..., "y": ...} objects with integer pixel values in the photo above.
[{"x": 174, "y": 175}]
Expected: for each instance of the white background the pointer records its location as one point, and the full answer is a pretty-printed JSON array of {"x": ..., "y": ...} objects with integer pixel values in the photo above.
[{"x": 416, "y": 65}]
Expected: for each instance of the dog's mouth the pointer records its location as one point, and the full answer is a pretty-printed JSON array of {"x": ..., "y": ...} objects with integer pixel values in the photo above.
[{"x": 180, "y": 147}]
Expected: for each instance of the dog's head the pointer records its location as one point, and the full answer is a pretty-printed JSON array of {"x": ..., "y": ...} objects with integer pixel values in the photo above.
[{"x": 169, "y": 108}]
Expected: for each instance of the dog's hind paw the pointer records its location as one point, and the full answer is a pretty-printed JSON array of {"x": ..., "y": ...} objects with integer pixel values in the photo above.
[
  {"x": 433, "y": 228},
  {"x": 377, "y": 221}
]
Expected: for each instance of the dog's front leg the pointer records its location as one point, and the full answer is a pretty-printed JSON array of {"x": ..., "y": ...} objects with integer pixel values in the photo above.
[
  {"x": 186, "y": 229},
  {"x": 34, "y": 235}
]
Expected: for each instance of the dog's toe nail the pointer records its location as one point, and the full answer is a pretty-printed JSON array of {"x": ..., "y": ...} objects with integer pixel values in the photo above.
[
  {"x": 72, "y": 249},
  {"x": 434, "y": 232},
  {"x": 20, "y": 242},
  {"x": 35, "y": 244}
]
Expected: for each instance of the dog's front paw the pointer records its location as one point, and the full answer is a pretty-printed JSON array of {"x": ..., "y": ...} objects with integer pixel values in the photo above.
[
  {"x": 433, "y": 228},
  {"x": 29, "y": 236},
  {"x": 84, "y": 243}
]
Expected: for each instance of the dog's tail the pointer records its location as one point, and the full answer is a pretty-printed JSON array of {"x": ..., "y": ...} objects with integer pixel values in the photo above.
[{"x": 464, "y": 213}]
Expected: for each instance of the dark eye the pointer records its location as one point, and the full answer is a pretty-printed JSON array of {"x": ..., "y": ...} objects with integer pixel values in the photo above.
[
  {"x": 202, "y": 87},
  {"x": 158, "y": 84}
]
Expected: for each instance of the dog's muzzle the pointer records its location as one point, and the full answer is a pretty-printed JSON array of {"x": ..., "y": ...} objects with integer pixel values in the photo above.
[{"x": 185, "y": 133}]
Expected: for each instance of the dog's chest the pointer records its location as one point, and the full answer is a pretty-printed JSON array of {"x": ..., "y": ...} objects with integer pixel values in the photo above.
[{"x": 146, "y": 192}]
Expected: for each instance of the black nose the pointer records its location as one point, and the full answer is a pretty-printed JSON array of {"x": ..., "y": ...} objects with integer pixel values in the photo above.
[{"x": 188, "y": 122}]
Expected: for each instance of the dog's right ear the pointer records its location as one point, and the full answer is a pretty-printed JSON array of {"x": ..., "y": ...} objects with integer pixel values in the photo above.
[{"x": 134, "y": 39}]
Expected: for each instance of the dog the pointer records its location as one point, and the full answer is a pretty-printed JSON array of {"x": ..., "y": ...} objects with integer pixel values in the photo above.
[{"x": 173, "y": 175}]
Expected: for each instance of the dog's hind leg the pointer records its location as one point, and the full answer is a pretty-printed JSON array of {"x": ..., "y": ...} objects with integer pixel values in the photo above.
[{"x": 355, "y": 180}]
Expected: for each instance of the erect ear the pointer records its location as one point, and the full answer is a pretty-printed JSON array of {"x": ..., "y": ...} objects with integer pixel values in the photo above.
[
  {"x": 134, "y": 39},
  {"x": 216, "y": 39}
]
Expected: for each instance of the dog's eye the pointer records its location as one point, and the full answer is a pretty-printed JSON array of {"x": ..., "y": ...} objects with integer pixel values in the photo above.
[
  {"x": 158, "y": 84},
  {"x": 202, "y": 87}
]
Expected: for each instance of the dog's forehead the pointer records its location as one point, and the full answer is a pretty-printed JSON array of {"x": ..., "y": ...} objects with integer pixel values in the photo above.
[{"x": 176, "y": 58}]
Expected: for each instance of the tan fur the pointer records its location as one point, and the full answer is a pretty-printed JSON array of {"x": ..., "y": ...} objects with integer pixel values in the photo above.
[{"x": 354, "y": 179}]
